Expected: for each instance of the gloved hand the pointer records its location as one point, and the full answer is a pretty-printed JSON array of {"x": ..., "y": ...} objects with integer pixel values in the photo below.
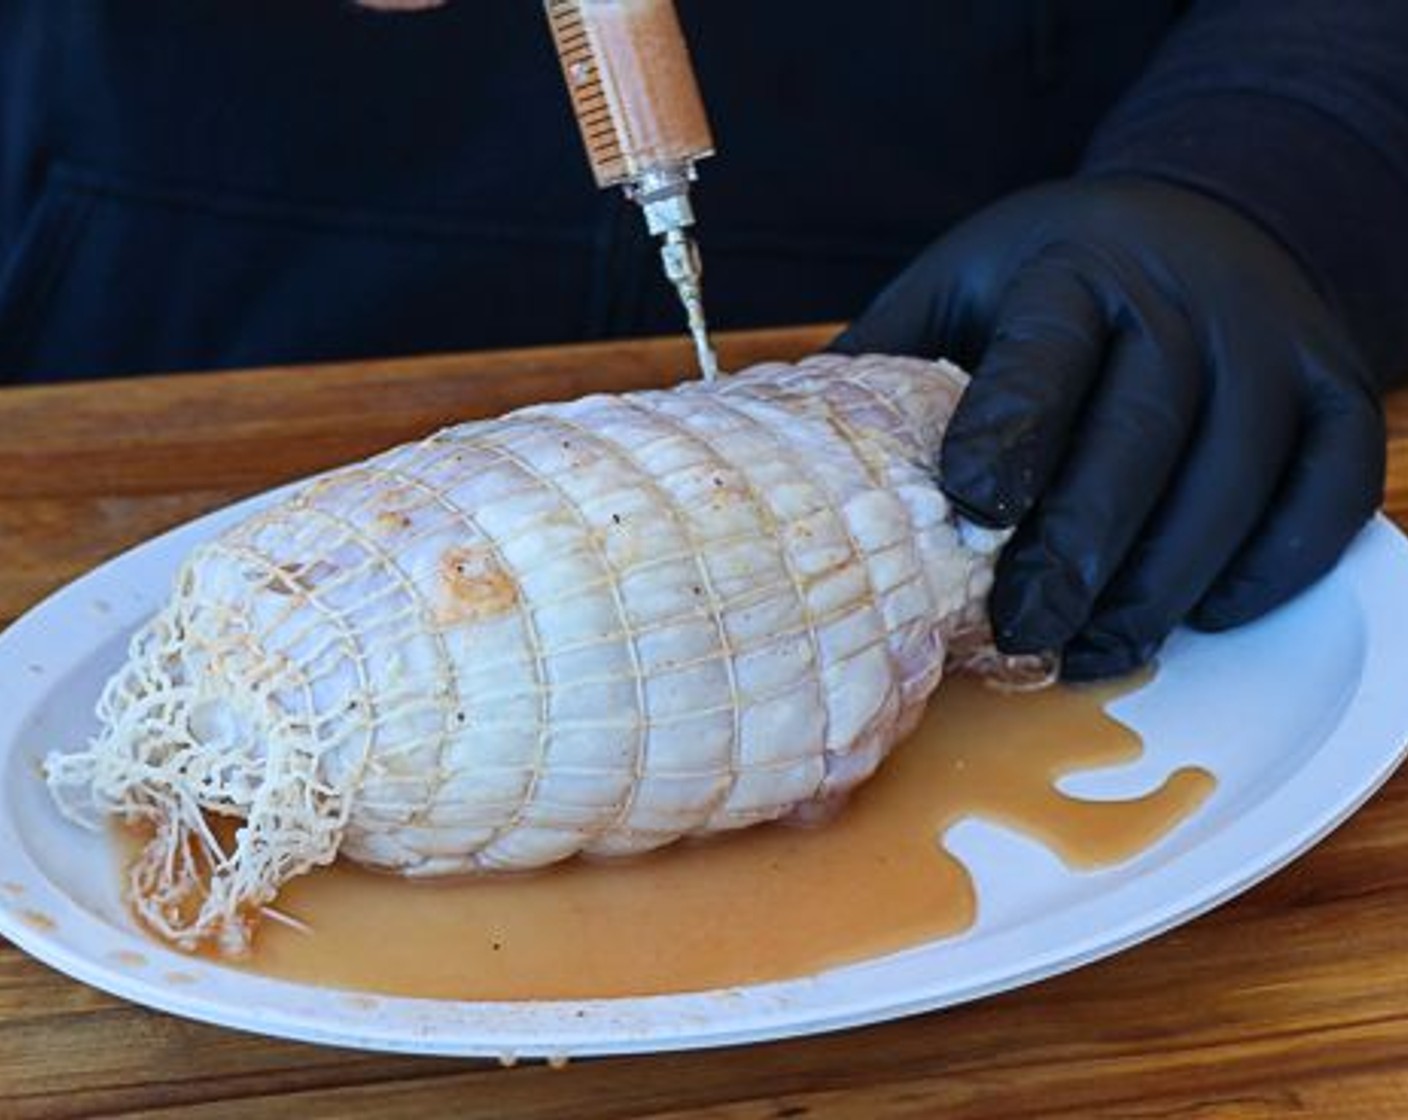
[{"x": 1161, "y": 403}]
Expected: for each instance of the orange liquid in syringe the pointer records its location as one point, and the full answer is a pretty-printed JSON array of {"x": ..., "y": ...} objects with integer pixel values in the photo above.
[{"x": 632, "y": 85}]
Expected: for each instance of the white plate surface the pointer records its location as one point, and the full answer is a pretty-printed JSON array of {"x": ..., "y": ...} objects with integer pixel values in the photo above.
[{"x": 1300, "y": 716}]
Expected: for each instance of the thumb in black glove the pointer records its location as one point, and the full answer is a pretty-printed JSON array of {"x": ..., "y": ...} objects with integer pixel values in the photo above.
[{"x": 1161, "y": 402}]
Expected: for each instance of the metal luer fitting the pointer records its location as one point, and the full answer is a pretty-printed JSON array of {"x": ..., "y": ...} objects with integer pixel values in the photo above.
[{"x": 663, "y": 195}]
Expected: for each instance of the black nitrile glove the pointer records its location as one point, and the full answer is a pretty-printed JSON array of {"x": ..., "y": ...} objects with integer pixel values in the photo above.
[{"x": 1161, "y": 403}]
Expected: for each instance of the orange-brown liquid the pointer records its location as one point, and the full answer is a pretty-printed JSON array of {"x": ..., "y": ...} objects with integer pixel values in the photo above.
[
  {"x": 632, "y": 85},
  {"x": 656, "y": 98},
  {"x": 770, "y": 903}
]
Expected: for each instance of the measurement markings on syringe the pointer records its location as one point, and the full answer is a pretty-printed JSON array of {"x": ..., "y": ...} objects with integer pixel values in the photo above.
[{"x": 600, "y": 129}]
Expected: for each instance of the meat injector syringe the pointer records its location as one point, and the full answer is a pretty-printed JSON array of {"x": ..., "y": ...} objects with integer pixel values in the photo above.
[{"x": 637, "y": 102}]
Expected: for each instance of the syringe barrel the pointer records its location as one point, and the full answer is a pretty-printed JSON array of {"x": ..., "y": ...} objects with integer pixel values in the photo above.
[{"x": 632, "y": 85}]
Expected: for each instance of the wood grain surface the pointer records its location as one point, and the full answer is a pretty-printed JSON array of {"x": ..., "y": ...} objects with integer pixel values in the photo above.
[{"x": 1290, "y": 1001}]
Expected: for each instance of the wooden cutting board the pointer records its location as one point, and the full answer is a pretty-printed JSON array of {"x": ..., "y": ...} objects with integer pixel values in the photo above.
[{"x": 1290, "y": 1001}]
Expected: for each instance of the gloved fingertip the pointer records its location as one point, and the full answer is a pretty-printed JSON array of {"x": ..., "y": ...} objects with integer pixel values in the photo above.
[
  {"x": 979, "y": 510},
  {"x": 1022, "y": 640},
  {"x": 1236, "y": 601},
  {"x": 986, "y": 489},
  {"x": 1032, "y": 613},
  {"x": 1097, "y": 656},
  {"x": 1302, "y": 543},
  {"x": 1217, "y": 616},
  {"x": 988, "y": 503}
]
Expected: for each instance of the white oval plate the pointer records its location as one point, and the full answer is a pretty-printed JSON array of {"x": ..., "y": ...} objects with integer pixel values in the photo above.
[{"x": 1301, "y": 717}]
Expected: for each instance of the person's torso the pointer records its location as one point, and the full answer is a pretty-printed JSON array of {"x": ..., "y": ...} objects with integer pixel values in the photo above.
[{"x": 197, "y": 183}]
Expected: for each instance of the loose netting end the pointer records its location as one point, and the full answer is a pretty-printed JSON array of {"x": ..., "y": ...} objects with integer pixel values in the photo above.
[{"x": 164, "y": 766}]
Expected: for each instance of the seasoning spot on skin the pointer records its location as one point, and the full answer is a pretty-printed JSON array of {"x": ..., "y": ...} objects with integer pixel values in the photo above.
[
  {"x": 37, "y": 919},
  {"x": 128, "y": 958},
  {"x": 182, "y": 978},
  {"x": 473, "y": 586},
  {"x": 392, "y": 521},
  {"x": 727, "y": 495},
  {"x": 320, "y": 486}
]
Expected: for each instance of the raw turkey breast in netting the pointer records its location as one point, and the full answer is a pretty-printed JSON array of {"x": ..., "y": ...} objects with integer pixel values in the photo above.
[{"x": 592, "y": 627}]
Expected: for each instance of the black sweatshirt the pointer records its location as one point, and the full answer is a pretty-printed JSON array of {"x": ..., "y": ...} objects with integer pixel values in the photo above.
[
  {"x": 199, "y": 183},
  {"x": 1296, "y": 113}
]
